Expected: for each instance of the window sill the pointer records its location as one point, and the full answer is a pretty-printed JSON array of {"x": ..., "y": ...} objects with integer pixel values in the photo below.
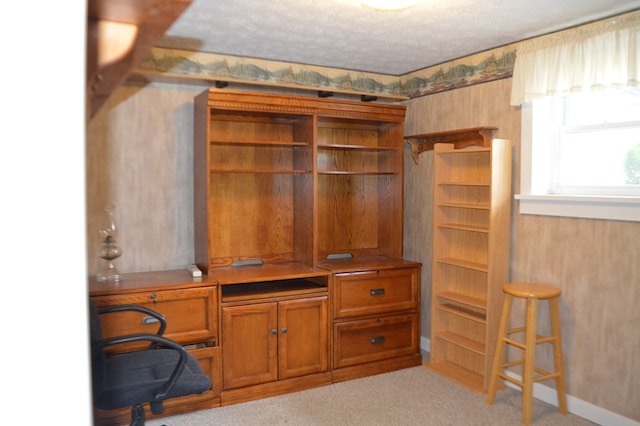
[{"x": 590, "y": 207}]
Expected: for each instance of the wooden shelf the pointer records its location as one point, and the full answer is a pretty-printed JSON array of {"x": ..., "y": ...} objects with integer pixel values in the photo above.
[
  {"x": 463, "y": 342},
  {"x": 465, "y": 205},
  {"x": 463, "y": 298},
  {"x": 467, "y": 378},
  {"x": 357, "y": 147},
  {"x": 342, "y": 172},
  {"x": 482, "y": 267},
  {"x": 481, "y": 136},
  {"x": 468, "y": 183},
  {"x": 262, "y": 171},
  {"x": 470, "y": 254},
  {"x": 260, "y": 143},
  {"x": 464, "y": 227},
  {"x": 462, "y": 312},
  {"x": 467, "y": 151}
]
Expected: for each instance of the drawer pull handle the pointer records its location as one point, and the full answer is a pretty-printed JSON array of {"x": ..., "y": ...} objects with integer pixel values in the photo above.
[
  {"x": 377, "y": 292},
  {"x": 376, "y": 340},
  {"x": 149, "y": 320},
  {"x": 353, "y": 274}
]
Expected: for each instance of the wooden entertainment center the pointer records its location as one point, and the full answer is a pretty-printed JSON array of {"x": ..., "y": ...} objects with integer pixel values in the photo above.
[{"x": 298, "y": 216}]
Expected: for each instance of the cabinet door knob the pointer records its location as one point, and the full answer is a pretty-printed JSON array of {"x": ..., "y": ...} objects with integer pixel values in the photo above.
[
  {"x": 284, "y": 330},
  {"x": 274, "y": 331}
]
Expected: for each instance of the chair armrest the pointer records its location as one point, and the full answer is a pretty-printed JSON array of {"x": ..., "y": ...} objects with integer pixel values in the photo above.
[
  {"x": 155, "y": 339},
  {"x": 123, "y": 308}
]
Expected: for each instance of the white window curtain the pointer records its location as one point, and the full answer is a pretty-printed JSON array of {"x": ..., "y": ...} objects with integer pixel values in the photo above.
[{"x": 601, "y": 55}]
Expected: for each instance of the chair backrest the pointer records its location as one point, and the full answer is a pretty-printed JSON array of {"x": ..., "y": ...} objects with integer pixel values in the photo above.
[{"x": 98, "y": 357}]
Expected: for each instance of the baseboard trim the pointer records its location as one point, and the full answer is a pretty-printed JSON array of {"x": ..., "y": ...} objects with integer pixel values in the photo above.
[
  {"x": 576, "y": 406},
  {"x": 425, "y": 344}
]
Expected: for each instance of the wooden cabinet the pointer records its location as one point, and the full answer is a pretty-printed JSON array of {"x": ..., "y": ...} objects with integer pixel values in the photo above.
[
  {"x": 264, "y": 342},
  {"x": 295, "y": 179},
  {"x": 472, "y": 199},
  {"x": 275, "y": 332},
  {"x": 190, "y": 308},
  {"x": 375, "y": 316},
  {"x": 292, "y": 194}
]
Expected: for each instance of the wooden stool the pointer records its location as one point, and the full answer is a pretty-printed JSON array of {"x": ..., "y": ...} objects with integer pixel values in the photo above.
[{"x": 533, "y": 293}]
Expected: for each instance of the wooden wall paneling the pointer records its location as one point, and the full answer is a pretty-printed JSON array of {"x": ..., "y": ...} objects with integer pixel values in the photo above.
[{"x": 139, "y": 157}]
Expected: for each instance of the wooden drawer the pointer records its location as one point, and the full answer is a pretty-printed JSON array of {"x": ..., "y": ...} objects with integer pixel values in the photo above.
[
  {"x": 190, "y": 313},
  {"x": 375, "y": 292},
  {"x": 210, "y": 361},
  {"x": 358, "y": 342}
]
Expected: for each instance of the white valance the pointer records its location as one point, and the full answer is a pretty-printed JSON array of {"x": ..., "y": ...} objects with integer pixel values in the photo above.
[{"x": 596, "y": 56}]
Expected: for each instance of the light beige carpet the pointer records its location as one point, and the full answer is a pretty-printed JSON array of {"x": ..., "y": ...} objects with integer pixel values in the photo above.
[{"x": 413, "y": 396}]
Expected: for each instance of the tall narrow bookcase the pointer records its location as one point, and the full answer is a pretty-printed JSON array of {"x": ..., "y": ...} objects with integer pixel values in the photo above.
[{"x": 471, "y": 228}]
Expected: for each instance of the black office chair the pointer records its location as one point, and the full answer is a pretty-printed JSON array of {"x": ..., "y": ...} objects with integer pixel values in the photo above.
[{"x": 164, "y": 370}]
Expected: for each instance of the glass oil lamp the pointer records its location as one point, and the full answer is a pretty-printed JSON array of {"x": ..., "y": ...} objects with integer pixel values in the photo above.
[{"x": 109, "y": 250}]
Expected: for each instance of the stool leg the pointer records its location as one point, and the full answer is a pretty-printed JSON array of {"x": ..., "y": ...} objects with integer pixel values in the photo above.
[
  {"x": 499, "y": 354},
  {"x": 529, "y": 359},
  {"x": 557, "y": 355}
]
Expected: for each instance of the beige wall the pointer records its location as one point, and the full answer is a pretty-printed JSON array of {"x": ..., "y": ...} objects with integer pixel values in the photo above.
[
  {"x": 596, "y": 263},
  {"x": 139, "y": 158},
  {"x": 139, "y": 155}
]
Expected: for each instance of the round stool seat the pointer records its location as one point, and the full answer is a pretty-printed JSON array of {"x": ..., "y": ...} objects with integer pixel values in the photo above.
[{"x": 535, "y": 290}]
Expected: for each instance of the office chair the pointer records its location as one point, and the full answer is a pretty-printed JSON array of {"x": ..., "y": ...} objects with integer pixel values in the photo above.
[{"x": 163, "y": 370}]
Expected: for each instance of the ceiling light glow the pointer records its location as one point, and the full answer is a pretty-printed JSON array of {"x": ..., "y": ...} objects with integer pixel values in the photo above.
[{"x": 389, "y": 4}]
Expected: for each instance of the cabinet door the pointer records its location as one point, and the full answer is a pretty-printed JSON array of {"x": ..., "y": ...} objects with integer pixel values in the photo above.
[
  {"x": 249, "y": 344},
  {"x": 303, "y": 342}
]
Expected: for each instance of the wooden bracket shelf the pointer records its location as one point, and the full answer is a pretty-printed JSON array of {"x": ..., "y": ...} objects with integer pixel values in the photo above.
[{"x": 481, "y": 136}]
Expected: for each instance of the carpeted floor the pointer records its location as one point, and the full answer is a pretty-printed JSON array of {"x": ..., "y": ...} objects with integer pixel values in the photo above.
[{"x": 414, "y": 396}]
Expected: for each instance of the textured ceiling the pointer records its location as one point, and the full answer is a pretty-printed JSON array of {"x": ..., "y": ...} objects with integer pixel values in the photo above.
[{"x": 345, "y": 34}]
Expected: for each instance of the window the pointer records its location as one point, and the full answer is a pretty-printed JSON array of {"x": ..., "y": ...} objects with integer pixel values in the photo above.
[{"x": 581, "y": 155}]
